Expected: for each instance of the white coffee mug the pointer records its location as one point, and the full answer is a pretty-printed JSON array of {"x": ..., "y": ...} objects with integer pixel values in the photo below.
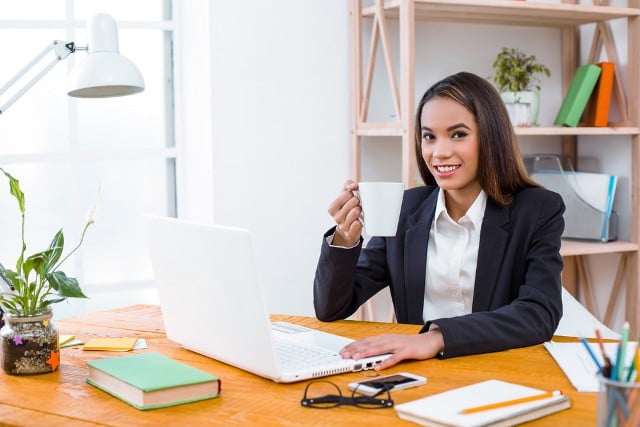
[{"x": 381, "y": 202}]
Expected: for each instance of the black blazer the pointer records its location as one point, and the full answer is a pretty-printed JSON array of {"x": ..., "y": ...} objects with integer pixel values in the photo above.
[{"x": 517, "y": 299}]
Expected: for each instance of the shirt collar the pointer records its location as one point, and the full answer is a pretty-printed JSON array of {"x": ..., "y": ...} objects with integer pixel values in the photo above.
[
  {"x": 440, "y": 205},
  {"x": 475, "y": 212}
]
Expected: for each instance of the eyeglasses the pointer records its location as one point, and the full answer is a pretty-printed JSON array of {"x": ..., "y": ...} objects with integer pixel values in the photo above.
[{"x": 315, "y": 396}]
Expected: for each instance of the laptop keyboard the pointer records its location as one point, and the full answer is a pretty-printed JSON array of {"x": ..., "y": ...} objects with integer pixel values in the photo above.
[{"x": 296, "y": 356}]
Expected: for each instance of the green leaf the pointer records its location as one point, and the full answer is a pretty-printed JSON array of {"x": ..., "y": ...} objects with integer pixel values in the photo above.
[
  {"x": 33, "y": 263},
  {"x": 20, "y": 259},
  {"x": 65, "y": 286},
  {"x": 9, "y": 304},
  {"x": 48, "y": 302},
  {"x": 14, "y": 189},
  {"x": 18, "y": 281},
  {"x": 12, "y": 276},
  {"x": 44, "y": 261},
  {"x": 56, "y": 247},
  {"x": 31, "y": 300}
]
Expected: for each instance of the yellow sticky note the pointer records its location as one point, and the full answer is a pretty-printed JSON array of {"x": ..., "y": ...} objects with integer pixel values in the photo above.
[
  {"x": 63, "y": 339},
  {"x": 110, "y": 344}
]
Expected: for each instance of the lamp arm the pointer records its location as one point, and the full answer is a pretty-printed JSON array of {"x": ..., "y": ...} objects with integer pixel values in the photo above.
[{"x": 61, "y": 50}]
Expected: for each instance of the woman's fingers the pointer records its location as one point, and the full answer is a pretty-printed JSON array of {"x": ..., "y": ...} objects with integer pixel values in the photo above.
[
  {"x": 345, "y": 211},
  {"x": 401, "y": 347}
]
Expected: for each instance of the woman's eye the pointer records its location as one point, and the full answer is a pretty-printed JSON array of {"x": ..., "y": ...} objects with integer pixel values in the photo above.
[
  {"x": 459, "y": 134},
  {"x": 427, "y": 136}
]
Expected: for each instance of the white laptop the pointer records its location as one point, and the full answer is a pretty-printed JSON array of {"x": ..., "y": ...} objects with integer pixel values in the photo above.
[{"x": 212, "y": 303}]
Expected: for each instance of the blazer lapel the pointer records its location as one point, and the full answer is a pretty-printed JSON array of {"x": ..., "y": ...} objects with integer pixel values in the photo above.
[
  {"x": 415, "y": 256},
  {"x": 493, "y": 241}
]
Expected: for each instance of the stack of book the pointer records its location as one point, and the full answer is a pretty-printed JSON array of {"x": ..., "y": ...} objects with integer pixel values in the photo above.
[{"x": 589, "y": 95}]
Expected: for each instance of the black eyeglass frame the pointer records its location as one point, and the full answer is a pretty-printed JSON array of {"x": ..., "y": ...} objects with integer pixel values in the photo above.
[{"x": 334, "y": 400}]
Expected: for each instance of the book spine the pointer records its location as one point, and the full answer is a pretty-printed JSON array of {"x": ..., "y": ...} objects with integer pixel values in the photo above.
[
  {"x": 600, "y": 102},
  {"x": 574, "y": 103}
]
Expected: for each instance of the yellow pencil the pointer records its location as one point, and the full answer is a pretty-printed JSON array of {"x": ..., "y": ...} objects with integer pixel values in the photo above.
[
  {"x": 505, "y": 403},
  {"x": 636, "y": 360}
]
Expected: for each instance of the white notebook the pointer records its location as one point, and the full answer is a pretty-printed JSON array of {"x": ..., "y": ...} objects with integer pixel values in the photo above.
[
  {"x": 444, "y": 409},
  {"x": 579, "y": 367}
]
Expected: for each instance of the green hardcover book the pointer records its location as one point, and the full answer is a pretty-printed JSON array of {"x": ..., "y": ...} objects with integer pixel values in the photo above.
[
  {"x": 582, "y": 85},
  {"x": 152, "y": 380}
]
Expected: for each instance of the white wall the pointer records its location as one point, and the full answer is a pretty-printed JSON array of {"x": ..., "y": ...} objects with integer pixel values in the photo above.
[{"x": 280, "y": 125}]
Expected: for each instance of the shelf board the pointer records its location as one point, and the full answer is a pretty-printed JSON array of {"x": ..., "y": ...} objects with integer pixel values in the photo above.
[
  {"x": 395, "y": 129},
  {"x": 561, "y": 130},
  {"x": 507, "y": 12},
  {"x": 380, "y": 129},
  {"x": 580, "y": 247}
]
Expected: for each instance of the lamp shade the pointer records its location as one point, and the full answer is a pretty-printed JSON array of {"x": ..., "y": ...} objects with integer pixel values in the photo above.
[{"x": 104, "y": 73}]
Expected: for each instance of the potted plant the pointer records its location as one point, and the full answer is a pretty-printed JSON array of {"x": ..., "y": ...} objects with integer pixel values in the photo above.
[
  {"x": 517, "y": 76},
  {"x": 28, "y": 339}
]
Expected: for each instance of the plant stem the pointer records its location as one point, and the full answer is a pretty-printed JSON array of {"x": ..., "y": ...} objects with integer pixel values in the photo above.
[
  {"x": 24, "y": 248},
  {"x": 37, "y": 297},
  {"x": 84, "y": 230}
]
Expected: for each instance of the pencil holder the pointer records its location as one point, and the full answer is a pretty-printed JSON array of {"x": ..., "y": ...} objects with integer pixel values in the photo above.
[{"x": 618, "y": 403}]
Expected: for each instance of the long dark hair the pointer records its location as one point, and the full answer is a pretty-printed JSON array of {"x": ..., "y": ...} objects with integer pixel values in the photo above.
[{"x": 501, "y": 170}]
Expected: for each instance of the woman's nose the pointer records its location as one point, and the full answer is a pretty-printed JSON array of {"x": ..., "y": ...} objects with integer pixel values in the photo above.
[{"x": 442, "y": 149}]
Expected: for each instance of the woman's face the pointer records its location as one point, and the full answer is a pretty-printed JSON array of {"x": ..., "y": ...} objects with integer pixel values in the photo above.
[{"x": 450, "y": 146}]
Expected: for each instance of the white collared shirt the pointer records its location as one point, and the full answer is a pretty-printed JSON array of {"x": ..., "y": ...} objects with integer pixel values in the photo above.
[{"x": 451, "y": 260}]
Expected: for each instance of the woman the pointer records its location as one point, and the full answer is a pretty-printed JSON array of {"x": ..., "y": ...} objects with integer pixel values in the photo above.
[{"x": 476, "y": 257}]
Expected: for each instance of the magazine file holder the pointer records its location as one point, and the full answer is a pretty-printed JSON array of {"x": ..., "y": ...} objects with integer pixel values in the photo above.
[{"x": 581, "y": 219}]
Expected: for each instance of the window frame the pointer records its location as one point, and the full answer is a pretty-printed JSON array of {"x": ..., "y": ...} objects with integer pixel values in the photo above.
[{"x": 188, "y": 109}]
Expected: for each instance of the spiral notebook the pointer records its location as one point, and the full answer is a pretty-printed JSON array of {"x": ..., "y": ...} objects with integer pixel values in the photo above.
[{"x": 445, "y": 409}]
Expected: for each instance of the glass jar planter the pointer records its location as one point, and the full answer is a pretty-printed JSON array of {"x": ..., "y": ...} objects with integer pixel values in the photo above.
[{"x": 29, "y": 344}]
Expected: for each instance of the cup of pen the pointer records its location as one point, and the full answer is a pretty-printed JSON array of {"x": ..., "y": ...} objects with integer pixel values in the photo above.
[{"x": 618, "y": 403}]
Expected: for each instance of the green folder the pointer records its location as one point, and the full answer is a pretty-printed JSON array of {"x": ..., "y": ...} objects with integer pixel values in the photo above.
[{"x": 582, "y": 85}]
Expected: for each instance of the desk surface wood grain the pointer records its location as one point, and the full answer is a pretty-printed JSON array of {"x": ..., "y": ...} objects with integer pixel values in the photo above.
[{"x": 63, "y": 398}]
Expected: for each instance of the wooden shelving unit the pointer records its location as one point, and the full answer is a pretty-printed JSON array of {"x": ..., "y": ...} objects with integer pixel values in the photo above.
[{"x": 567, "y": 16}]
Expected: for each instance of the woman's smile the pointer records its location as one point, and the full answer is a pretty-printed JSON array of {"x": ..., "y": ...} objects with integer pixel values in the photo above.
[{"x": 445, "y": 170}]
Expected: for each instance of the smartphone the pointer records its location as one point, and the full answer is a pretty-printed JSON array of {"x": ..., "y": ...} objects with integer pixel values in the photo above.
[{"x": 373, "y": 386}]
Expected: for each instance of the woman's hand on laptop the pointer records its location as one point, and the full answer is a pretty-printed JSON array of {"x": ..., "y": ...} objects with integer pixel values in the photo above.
[{"x": 419, "y": 347}]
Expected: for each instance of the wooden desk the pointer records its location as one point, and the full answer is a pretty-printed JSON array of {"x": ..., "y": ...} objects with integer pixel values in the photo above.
[{"x": 64, "y": 398}]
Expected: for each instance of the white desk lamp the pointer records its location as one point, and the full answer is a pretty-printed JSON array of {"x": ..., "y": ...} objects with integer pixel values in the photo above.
[{"x": 105, "y": 73}]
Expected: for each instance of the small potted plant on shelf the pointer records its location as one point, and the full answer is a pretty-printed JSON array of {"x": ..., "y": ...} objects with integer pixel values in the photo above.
[
  {"x": 28, "y": 338},
  {"x": 517, "y": 76}
]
